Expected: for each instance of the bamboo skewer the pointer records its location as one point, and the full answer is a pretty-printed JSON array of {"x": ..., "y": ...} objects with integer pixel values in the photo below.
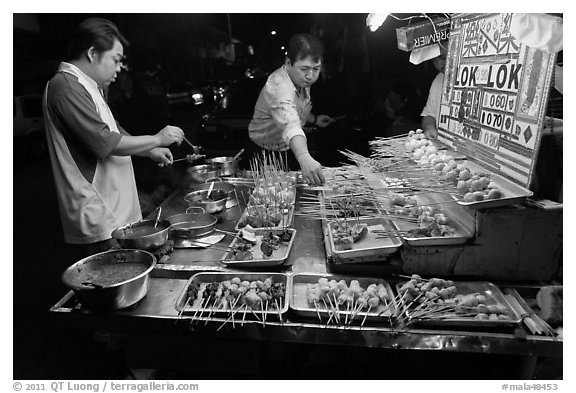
[{"x": 182, "y": 311}]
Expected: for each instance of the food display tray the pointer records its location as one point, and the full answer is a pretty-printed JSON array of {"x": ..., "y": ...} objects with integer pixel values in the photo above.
[
  {"x": 285, "y": 223},
  {"x": 300, "y": 282},
  {"x": 513, "y": 193},
  {"x": 369, "y": 246},
  {"x": 202, "y": 279},
  {"x": 458, "y": 217},
  {"x": 493, "y": 296},
  {"x": 278, "y": 257}
]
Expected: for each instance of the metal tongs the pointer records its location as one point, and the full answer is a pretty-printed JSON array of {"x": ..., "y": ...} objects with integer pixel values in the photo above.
[{"x": 189, "y": 157}]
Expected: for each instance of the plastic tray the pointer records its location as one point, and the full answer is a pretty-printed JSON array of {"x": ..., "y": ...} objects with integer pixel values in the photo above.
[{"x": 278, "y": 257}]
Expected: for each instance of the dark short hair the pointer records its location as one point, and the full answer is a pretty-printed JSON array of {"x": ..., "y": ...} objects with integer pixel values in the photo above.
[
  {"x": 97, "y": 32},
  {"x": 303, "y": 45}
]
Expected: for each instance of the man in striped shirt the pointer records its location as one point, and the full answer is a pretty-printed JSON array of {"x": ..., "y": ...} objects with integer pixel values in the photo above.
[
  {"x": 284, "y": 106},
  {"x": 89, "y": 151}
]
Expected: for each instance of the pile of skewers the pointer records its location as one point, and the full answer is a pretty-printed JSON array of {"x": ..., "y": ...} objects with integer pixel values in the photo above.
[
  {"x": 274, "y": 192},
  {"x": 532, "y": 320},
  {"x": 338, "y": 206},
  {"x": 236, "y": 296},
  {"x": 437, "y": 300},
  {"x": 343, "y": 302}
]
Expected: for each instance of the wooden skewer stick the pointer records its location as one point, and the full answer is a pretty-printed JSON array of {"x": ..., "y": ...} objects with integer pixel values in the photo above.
[
  {"x": 366, "y": 315},
  {"x": 244, "y": 314},
  {"x": 207, "y": 305},
  {"x": 182, "y": 311},
  {"x": 254, "y": 313},
  {"x": 336, "y": 317},
  {"x": 328, "y": 309},
  {"x": 317, "y": 311},
  {"x": 279, "y": 311}
]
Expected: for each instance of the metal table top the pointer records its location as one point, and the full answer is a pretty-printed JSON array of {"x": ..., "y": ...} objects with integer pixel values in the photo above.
[{"x": 156, "y": 313}]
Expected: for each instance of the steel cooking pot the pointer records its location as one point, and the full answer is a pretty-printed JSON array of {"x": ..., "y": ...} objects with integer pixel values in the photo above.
[
  {"x": 142, "y": 235},
  {"x": 215, "y": 203},
  {"x": 111, "y": 280},
  {"x": 228, "y": 188},
  {"x": 192, "y": 225},
  {"x": 199, "y": 173},
  {"x": 229, "y": 164}
]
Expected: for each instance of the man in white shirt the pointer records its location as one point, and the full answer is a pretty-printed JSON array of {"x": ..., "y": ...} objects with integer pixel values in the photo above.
[
  {"x": 431, "y": 111},
  {"x": 284, "y": 106}
]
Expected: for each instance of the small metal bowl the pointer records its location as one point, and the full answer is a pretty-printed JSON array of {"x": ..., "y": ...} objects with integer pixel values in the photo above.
[
  {"x": 229, "y": 164},
  {"x": 214, "y": 204},
  {"x": 200, "y": 173},
  {"x": 192, "y": 225},
  {"x": 142, "y": 235}
]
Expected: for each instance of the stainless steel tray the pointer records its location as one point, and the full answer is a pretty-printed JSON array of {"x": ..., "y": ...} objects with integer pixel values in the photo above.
[
  {"x": 278, "y": 258},
  {"x": 459, "y": 218},
  {"x": 299, "y": 283},
  {"x": 203, "y": 279},
  {"x": 513, "y": 193},
  {"x": 493, "y": 296},
  {"x": 369, "y": 246}
]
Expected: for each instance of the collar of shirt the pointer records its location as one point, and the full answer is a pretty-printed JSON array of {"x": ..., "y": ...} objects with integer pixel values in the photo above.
[
  {"x": 71, "y": 68},
  {"x": 306, "y": 90}
]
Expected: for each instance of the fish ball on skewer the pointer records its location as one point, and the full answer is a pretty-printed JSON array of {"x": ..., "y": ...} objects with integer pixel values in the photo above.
[
  {"x": 478, "y": 196},
  {"x": 373, "y": 302},
  {"x": 464, "y": 175},
  {"x": 438, "y": 167},
  {"x": 477, "y": 185},
  {"x": 495, "y": 193}
]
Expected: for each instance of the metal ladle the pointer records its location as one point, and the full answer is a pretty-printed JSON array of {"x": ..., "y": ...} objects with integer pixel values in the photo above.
[
  {"x": 158, "y": 216},
  {"x": 238, "y": 154},
  {"x": 210, "y": 190}
]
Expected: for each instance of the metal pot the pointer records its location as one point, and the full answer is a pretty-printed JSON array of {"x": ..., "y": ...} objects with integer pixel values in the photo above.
[
  {"x": 111, "y": 280},
  {"x": 228, "y": 188},
  {"x": 142, "y": 235},
  {"x": 214, "y": 204},
  {"x": 229, "y": 164},
  {"x": 199, "y": 173},
  {"x": 192, "y": 225}
]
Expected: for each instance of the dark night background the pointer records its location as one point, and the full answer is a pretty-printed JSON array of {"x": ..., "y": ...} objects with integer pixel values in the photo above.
[{"x": 361, "y": 69}]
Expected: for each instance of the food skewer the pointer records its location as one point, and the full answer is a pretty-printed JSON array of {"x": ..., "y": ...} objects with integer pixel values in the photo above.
[
  {"x": 366, "y": 315},
  {"x": 202, "y": 308},
  {"x": 182, "y": 311},
  {"x": 279, "y": 310}
]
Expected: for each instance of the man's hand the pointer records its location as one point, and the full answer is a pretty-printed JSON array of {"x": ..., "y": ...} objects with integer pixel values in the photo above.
[
  {"x": 311, "y": 170},
  {"x": 169, "y": 135},
  {"x": 162, "y": 155},
  {"x": 323, "y": 121}
]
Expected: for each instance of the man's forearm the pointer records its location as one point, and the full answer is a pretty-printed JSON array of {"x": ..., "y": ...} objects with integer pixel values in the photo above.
[
  {"x": 429, "y": 126},
  {"x": 299, "y": 146},
  {"x": 135, "y": 145}
]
